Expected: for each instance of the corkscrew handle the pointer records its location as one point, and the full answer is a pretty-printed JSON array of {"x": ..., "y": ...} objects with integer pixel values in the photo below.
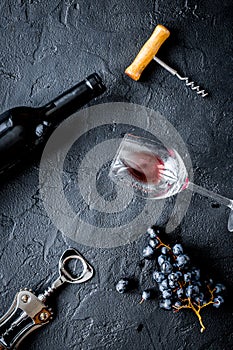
[
  {"x": 147, "y": 52},
  {"x": 26, "y": 314},
  {"x": 29, "y": 312}
]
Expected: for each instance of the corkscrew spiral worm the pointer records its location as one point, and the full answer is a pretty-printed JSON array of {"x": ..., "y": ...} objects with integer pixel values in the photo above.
[
  {"x": 192, "y": 85},
  {"x": 188, "y": 83}
]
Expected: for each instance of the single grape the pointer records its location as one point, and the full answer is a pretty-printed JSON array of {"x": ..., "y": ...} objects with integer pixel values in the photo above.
[
  {"x": 177, "y": 249},
  {"x": 167, "y": 294},
  {"x": 173, "y": 284},
  {"x": 166, "y": 304},
  {"x": 196, "y": 274},
  {"x": 178, "y": 304},
  {"x": 164, "y": 250},
  {"x": 166, "y": 267},
  {"x": 148, "y": 294},
  {"x": 158, "y": 276},
  {"x": 187, "y": 277},
  {"x": 161, "y": 288},
  {"x": 199, "y": 299},
  {"x": 148, "y": 252},
  {"x": 153, "y": 232},
  {"x": 178, "y": 274},
  {"x": 219, "y": 288},
  {"x": 123, "y": 285},
  {"x": 153, "y": 243},
  {"x": 163, "y": 285},
  {"x": 191, "y": 290},
  {"x": 158, "y": 230},
  {"x": 196, "y": 289},
  {"x": 173, "y": 276},
  {"x": 182, "y": 260},
  {"x": 218, "y": 301},
  {"x": 161, "y": 259},
  {"x": 180, "y": 292}
]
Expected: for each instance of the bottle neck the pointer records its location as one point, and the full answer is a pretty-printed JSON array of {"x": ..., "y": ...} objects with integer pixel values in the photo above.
[{"x": 71, "y": 100}]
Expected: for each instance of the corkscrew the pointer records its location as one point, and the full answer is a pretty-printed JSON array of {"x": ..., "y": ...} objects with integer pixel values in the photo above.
[
  {"x": 29, "y": 312},
  {"x": 148, "y": 52}
]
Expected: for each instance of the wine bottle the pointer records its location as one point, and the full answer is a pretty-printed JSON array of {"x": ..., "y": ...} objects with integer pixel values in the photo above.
[{"x": 24, "y": 129}]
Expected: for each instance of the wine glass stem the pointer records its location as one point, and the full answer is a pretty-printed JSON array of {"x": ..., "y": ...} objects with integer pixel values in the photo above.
[{"x": 217, "y": 197}]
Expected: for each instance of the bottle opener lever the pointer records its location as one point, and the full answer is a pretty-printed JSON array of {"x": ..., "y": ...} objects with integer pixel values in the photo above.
[{"x": 29, "y": 312}]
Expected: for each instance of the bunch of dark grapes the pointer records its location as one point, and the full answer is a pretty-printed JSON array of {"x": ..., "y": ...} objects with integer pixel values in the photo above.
[{"x": 179, "y": 283}]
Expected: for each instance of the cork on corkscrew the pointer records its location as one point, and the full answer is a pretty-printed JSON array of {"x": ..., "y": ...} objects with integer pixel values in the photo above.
[{"x": 148, "y": 53}]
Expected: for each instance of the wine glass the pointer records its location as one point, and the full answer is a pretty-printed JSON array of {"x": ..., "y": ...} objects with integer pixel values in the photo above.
[{"x": 156, "y": 172}]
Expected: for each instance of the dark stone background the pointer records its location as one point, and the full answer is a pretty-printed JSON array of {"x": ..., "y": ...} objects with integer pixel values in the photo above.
[{"x": 47, "y": 46}]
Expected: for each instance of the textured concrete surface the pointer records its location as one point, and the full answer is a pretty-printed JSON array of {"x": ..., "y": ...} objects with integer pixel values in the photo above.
[{"x": 46, "y": 46}]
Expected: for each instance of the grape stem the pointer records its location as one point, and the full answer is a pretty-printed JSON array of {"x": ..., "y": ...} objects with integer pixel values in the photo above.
[
  {"x": 161, "y": 244},
  {"x": 196, "y": 307},
  {"x": 188, "y": 304}
]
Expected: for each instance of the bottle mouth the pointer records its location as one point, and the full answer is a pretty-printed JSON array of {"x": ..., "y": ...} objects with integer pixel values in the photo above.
[{"x": 95, "y": 82}]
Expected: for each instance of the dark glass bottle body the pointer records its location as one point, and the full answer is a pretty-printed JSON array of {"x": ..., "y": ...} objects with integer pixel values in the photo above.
[{"x": 23, "y": 129}]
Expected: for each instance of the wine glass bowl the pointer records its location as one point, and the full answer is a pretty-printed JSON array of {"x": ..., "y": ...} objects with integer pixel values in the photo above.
[{"x": 156, "y": 171}]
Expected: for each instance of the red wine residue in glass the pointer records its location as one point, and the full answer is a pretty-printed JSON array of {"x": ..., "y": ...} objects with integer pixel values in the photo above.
[{"x": 145, "y": 167}]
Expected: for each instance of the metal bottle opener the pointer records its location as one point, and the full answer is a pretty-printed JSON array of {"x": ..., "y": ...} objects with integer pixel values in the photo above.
[{"x": 29, "y": 312}]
